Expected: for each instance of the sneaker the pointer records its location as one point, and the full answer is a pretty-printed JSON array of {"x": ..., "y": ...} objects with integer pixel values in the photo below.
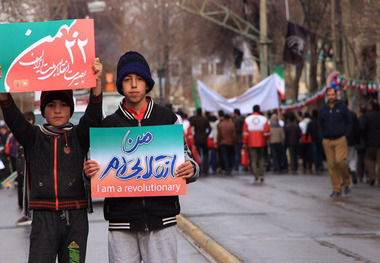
[
  {"x": 346, "y": 190},
  {"x": 24, "y": 221},
  {"x": 334, "y": 194}
]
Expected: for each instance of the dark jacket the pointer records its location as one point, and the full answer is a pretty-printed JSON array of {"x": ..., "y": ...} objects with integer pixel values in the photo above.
[
  {"x": 313, "y": 130},
  {"x": 292, "y": 134},
  {"x": 202, "y": 129},
  {"x": 239, "y": 122},
  {"x": 362, "y": 146},
  {"x": 56, "y": 180},
  {"x": 334, "y": 123},
  {"x": 143, "y": 213},
  {"x": 371, "y": 128},
  {"x": 354, "y": 137}
]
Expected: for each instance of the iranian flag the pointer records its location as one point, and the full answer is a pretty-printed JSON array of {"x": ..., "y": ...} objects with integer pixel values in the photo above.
[{"x": 280, "y": 83}]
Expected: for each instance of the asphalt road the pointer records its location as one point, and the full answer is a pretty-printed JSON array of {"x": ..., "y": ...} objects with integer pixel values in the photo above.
[{"x": 288, "y": 218}]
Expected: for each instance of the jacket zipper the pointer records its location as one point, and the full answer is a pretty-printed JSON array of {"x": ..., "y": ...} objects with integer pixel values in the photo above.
[
  {"x": 143, "y": 200},
  {"x": 145, "y": 217},
  {"x": 55, "y": 173}
]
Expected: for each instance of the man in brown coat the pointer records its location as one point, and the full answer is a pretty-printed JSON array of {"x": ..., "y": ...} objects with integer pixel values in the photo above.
[{"x": 226, "y": 141}]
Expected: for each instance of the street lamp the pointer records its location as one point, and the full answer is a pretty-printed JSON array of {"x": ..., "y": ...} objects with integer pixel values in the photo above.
[
  {"x": 160, "y": 75},
  {"x": 96, "y": 6}
]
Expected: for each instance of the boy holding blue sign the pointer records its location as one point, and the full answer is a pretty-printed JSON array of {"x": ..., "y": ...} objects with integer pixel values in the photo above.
[
  {"x": 55, "y": 153},
  {"x": 141, "y": 228}
]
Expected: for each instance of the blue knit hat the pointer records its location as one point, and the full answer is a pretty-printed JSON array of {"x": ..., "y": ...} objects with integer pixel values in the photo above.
[{"x": 133, "y": 63}]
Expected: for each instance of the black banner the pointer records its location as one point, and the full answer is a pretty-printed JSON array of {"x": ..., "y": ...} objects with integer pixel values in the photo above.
[{"x": 295, "y": 43}]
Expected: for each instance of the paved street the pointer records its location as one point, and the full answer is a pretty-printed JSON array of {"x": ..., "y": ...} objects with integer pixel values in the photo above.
[
  {"x": 288, "y": 218},
  {"x": 14, "y": 239}
]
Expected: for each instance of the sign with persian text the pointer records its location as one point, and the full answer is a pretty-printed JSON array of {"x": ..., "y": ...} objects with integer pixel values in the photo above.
[
  {"x": 52, "y": 55},
  {"x": 137, "y": 161}
]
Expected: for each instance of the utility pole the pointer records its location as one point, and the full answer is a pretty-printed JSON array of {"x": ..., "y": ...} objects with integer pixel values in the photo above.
[
  {"x": 378, "y": 60},
  {"x": 336, "y": 35},
  {"x": 263, "y": 40}
]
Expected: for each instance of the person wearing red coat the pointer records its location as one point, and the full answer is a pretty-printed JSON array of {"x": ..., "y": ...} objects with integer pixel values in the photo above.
[{"x": 256, "y": 132}]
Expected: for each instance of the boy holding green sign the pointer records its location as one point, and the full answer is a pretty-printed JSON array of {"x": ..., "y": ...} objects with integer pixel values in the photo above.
[
  {"x": 141, "y": 228},
  {"x": 55, "y": 153}
]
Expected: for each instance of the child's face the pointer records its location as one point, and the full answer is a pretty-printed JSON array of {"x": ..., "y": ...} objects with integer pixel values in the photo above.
[
  {"x": 134, "y": 88},
  {"x": 57, "y": 113}
]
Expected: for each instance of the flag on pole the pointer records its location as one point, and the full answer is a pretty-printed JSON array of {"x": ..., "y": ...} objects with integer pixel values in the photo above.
[
  {"x": 196, "y": 100},
  {"x": 280, "y": 83}
]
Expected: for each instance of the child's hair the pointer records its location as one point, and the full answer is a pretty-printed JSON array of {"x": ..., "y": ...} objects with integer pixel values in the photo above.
[{"x": 63, "y": 95}]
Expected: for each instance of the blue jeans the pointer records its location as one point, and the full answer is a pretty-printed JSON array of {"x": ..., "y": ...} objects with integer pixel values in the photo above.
[
  {"x": 316, "y": 149},
  {"x": 203, "y": 152},
  {"x": 212, "y": 160},
  {"x": 276, "y": 150},
  {"x": 238, "y": 155},
  {"x": 293, "y": 151},
  {"x": 284, "y": 159}
]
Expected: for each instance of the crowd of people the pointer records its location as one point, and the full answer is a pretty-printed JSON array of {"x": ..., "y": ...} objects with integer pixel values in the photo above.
[
  {"x": 281, "y": 142},
  {"x": 214, "y": 144},
  {"x": 12, "y": 158}
]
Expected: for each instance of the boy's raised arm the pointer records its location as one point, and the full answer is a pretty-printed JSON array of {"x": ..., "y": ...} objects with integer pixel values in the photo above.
[
  {"x": 98, "y": 71},
  {"x": 3, "y": 96}
]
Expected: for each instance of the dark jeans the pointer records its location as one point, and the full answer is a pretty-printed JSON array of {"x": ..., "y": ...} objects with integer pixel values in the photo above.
[
  {"x": 227, "y": 155},
  {"x": 361, "y": 169},
  {"x": 51, "y": 236},
  {"x": 306, "y": 154},
  {"x": 293, "y": 151},
  {"x": 237, "y": 155},
  {"x": 317, "y": 152},
  {"x": 276, "y": 150},
  {"x": 212, "y": 160},
  {"x": 284, "y": 159},
  {"x": 202, "y": 149},
  {"x": 4, "y": 173}
]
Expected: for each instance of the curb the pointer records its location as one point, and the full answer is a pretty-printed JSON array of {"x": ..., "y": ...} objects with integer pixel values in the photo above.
[{"x": 219, "y": 253}]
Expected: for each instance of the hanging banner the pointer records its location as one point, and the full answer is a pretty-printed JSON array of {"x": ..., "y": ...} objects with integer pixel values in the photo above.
[
  {"x": 263, "y": 94},
  {"x": 295, "y": 44},
  {"x": 51, "y": 55},
  {"x": 137, "y": 161}
]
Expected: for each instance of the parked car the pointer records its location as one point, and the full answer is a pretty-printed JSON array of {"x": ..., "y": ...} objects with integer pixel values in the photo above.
[{"x": 111, "y": 101}]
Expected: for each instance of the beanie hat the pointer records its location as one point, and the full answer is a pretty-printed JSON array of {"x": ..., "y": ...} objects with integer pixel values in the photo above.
[
  {"x": 63, "y": 95},
  {"x": 133, "y": 63}
]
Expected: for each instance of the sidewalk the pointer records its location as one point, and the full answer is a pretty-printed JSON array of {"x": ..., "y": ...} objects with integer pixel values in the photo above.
[{"x": 14, "y": 239}]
